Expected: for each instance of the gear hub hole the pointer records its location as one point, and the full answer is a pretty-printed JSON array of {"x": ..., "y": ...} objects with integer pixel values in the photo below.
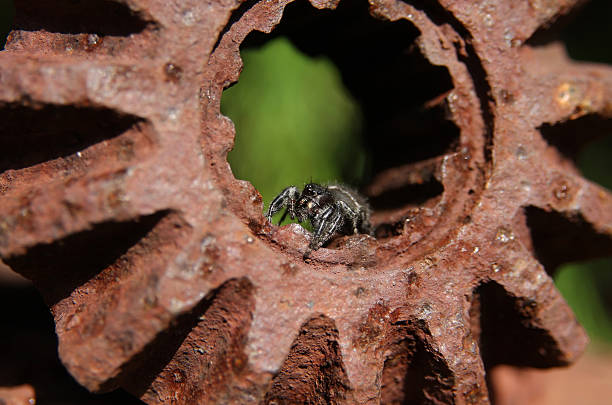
[{"x": 398, "y": 117}]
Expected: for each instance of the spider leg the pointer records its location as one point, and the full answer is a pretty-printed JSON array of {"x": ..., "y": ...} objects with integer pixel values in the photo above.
[
  {"x": 287, "y": 198},
  {"x": 284, "y": 216},
  {"x": 366, "y": 227},
  {"x": 331, "y": 220},
  {"x": 350, "y": 214}
]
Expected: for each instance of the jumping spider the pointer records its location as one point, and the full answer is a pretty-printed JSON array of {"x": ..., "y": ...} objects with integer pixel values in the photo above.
[{"x": 330, "y": 209}]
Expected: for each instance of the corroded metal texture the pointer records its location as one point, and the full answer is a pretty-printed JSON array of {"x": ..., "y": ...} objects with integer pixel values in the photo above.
[{"x": 160, "y": 270}]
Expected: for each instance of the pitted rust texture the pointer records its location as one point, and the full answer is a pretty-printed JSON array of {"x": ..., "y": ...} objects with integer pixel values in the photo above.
[{"x": 164, "y": 277}]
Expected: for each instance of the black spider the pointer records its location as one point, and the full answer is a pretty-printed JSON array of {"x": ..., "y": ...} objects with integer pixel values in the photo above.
[{"x": 330, "y": 209}]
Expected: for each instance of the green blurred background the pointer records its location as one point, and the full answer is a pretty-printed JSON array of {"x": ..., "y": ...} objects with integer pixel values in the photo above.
[{"x": 295, "y": 122}]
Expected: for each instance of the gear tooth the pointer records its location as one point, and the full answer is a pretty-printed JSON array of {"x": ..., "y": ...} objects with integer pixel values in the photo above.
[
  {"x": 530, "y": 311},
  {"x": 314, "y": 370},
  {"x": 211, "y": 338},
  {"x": 432, "y": 358},
  {"x": 105, "y": 290}
]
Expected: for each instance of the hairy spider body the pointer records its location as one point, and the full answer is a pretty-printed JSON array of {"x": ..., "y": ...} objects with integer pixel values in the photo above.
[{"x": 330, "y": 209}]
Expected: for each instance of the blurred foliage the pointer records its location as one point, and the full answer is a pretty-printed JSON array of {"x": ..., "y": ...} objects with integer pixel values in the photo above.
[
  {"x": 295, "y": 122},
  {"x": 595, "y": 161},
  {"x": 586, "y": 288}
]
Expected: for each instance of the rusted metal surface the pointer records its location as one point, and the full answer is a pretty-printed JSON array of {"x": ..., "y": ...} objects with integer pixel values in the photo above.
[{"x": 160, "y": 270}]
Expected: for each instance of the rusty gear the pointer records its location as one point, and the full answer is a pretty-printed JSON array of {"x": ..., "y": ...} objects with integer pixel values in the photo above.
[{"x": 164, "y": 277}]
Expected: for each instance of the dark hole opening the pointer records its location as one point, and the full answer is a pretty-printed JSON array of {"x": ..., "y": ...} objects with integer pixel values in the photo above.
[
  {"x": 385, "y": 72},
  {"x": 583, "y": 31},
  {"x": 556, "y": 28},
  {"x": 558, "y": 239},
  {"x": 505, "y": 321},
  {"x": 313, "y": 365},
  {"x": 102, "y": 17},
  {"x": 389, "y": 78},
  {"x": 410, "y": 371},
  {"x": 60, "y": 267},
  {"x": 570, "y": 137},
  {"x": 32, "y": 135},
  {"x": 417, "y": 194}
]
